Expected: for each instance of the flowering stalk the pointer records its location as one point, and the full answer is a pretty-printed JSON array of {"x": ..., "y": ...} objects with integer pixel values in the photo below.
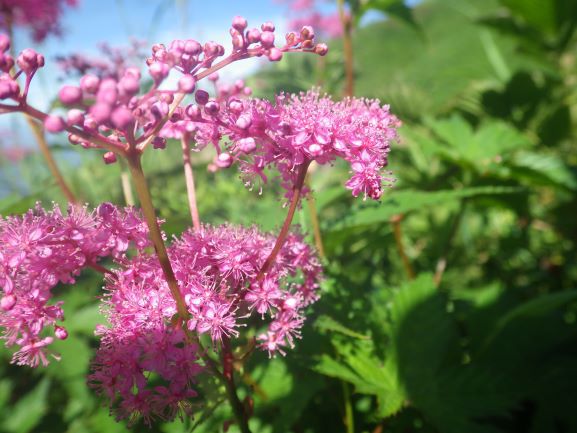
[
  {"x": 189, "y": 178},
  {"x": 296, "y": 194},
  {"x": 50, "y": 161},
  {"x": 135, "y": 166},
  {"x": 125, "y": 183},
  {"x": 347, "y": 49}
]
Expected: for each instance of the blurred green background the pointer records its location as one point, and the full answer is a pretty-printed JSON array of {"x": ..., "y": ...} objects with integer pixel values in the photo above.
[{"x": 451, "y": 305}]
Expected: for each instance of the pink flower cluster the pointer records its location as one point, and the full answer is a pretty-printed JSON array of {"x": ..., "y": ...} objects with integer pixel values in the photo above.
[
  {"x": 306, "y": 12},
  {"x": 294, "y": 131},
  {"x": 42, "y": 17},
  {"x": 145, "y": 363},
  {"x": 44, "y": 248}
]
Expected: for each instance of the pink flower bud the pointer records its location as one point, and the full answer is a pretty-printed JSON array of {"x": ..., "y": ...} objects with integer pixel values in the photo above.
[
  {"x": 315, "y": 149},
  {"x": 321, "y": 49},
  {"x": 192, "y": 112},
  {"x": 4, "y": 43},
  {"x": 235, "y": 105},
  {"x": 192, "y": 47},
  {"x": 253, "y": 36},
  {"x": 267, "y": 27},
  {"x": 159, "y": 143},
  {"x": 60, "y": 332},
  {"x": 224, "y": 160},
  {"x": 54, "y": 124},
  {"x": 247, "y": 145},
  {"x": 90, "y": 83},
  {"x": 121, "y": 117},
  {"x": 244, "y": 121},
  {"x": 75, "y": 117},
  {"x": 107, "y": 92},
  {"x": 212, "y": 108},
  {"x": 274, "y": 55},
  {"x": 201, "y": 97},
  {"x": 267, "y": 39},
  {"x": 8, "y": 88},
  {"x": 239, "y": 23},
  {"x": 8, "y": 302},
  {"x": 70, "y": 95},
  {"x": 129, "y": 84},
  {"x": 101, "y": 112},
  {"x": 307, "y": 32},
  {"x": 186, "y": 84},
  {"x": 109, "y": 158},
  {"x": 158, "y": 71}
]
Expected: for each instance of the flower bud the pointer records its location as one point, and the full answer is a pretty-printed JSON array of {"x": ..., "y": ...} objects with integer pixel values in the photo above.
[
  {"x": 212, "y": 108},
  {"x": 54, "y": 124},
  {"x": 121, "y": 117},
  {"x": 90, "y": 83},
  {"x": 267, "y": 39},
  {"x": 70, "y": 95},
  {"x": 60, "y": 332},
  {"x": 4, "y": 43},
  {"x": 239, "y": 23},
  {"x": 274, "y": 55},
  {"x": 246, "y": 145},
  {"x": 75, "y": 117},
  {"x": 267, "y": 27},
  {"x": 8, "y": 302},
  {"x": 201, "y": 97},
  {"x": 186, "y": 84},
  {"x": 109, "y": 158},
  {"x": 253, "y": 36},
  {"x": 159, "y": 143},
  {"x": 321, "y": 49},
  {"x": 224, "y": 160},
  {"x": 100, "y": 112}
]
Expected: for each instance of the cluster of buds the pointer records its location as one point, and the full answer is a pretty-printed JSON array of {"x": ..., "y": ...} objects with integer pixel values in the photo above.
[{"x": 27, "y": 63}]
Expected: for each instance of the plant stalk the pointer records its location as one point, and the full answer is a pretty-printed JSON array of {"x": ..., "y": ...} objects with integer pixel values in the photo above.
[
  {"x": 347, "y": 24},
  {"x": 297, "y": 189},
  {"x": 396, "y": 221},
  {"x": 141, "y": 185},
  {"x": 189, "y": 177},
  {"x": 228, "y": 372}
]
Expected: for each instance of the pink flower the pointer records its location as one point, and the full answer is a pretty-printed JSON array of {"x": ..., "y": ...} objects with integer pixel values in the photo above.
[
  {"x": 44, "y": 248},
  {"x": 42, "y": 17}
]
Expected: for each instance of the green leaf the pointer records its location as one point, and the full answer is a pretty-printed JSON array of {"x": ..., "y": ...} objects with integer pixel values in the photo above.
[
  {"x": 326, "y": 323},
  {"x": 402, "y": 202},
  {"x": 29, "y": 410}
]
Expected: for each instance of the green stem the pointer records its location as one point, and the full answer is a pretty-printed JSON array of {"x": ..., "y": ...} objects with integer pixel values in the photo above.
[
  {"x": 143, "y": 193},
  {"x": 297, "y": 189},
  {"x": 396, "y": 221},
  {"x": 347, "y": 49},
  {"x": 349, "y": 417},
  {"x": 228, "y": 372}
]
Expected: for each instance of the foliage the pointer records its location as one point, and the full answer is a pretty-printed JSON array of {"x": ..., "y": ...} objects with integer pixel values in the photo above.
[{"x": 484, "y": 338}]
